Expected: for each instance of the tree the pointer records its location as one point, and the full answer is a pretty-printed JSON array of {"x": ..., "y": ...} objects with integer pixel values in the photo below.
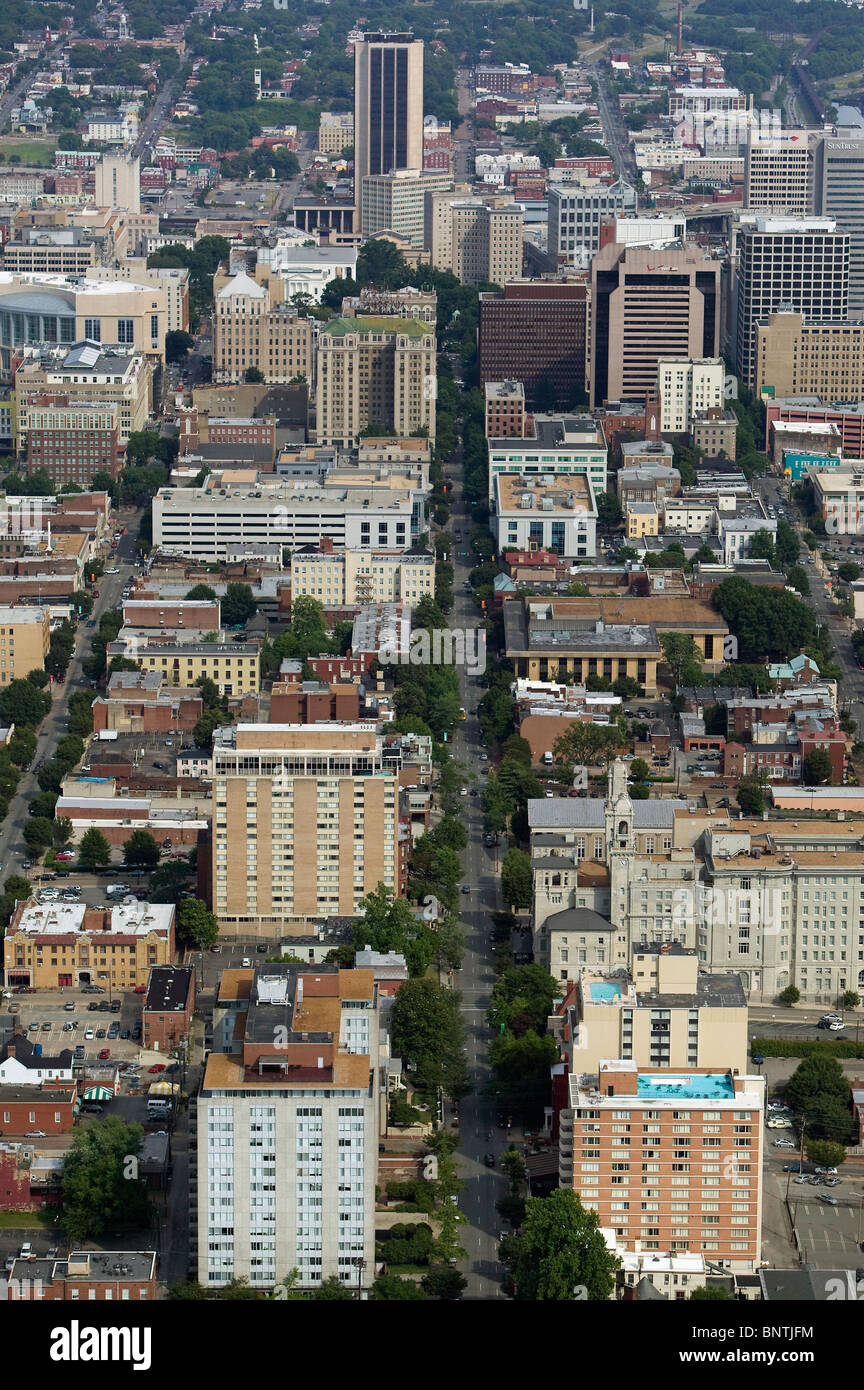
[
  {"x": 196, "y": 925},
  {"x": 512, "y": 1164},
  {"x": 22, "y": 703},
  {"x": 625, "y": 687},
  {"x": 787, "y": 544},
  {"x": 62, "y": 832},
  {"x": 825, "y": 1154},
  {"x": 177, "y": 345},
  {"x": 820, "y": 1094},
  {"x": 639, "y": 770},
  {"x": 851, "y": 999},
  {"x": 790, "y": 995},
  {"x": 683, "y": 658},
  {"x": 849, "y": 571},
  {"x": 141, "y": 850},
  {"x": 750, "y": 797},
  {"x": 711, "y": 1293},
  {"x": 762, "y": 546},
  {"x": 520, "y": 1073},
  {"x": 522, "y": 999},
  {"x": 253, "y": 376},
  {"x": 797, "y": 577},
  {"x": 608, "y": 509},
  {"x": 444, "y": 1283},
  {"x": 238, "y": 605},
  {"x": 102, "y": 1189},
  {"x": 389, "y": 924},
  {"x": 37, "y": 833},
  {"x": 43, "y": 805},
  {"x": 427, "y": 1031},
  {"x": 39, "y": 678},
  {"x": 587, "y": 745},
  {"x": 202, "y": 593},
  {"x": 816, "y": 768},
  {"x": 94, "y": 850},
  {"x": 558, "y": 1251},
  {"x": 516, "y": 878}
]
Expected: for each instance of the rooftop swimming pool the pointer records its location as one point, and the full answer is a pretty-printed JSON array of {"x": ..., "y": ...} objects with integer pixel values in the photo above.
[
  {"x": 710, "y": 1086},
  {"x": 601, "y": 990}
]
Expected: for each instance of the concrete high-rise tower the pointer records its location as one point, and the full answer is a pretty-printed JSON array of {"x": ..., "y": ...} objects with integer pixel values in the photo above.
[{"x": 388, "y": 107}]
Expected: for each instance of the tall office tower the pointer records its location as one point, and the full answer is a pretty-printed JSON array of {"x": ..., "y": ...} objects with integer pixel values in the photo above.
[
  {"x": 785, "y": 262},
  {"x": 306, "y": 820},
  {"x": 669, "y": 1160},
  {"x": 388, "y": 107},
  {"x": 839, "y": 193},
  {"x": 288, "y": 1128},
  {"x": 576, "y": 212},
  {"x": 535, "y": 331},
  {"x": 779, "y": 172},
  {"x": 647, "y": 305},
  {"x": 118, "y": 182},
  {"x": 375, "y": 370}
]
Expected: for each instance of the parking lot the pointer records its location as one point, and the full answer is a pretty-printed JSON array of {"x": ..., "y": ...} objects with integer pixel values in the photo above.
[{"x": 47, "y": 1019}]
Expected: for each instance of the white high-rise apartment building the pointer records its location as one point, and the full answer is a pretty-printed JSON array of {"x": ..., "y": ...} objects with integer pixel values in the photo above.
[
  {"x": 687, "y": 385},
  {"x": 287, "y": 1124}
]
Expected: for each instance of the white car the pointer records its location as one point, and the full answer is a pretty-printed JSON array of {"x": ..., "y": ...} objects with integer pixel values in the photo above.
[
  {"x": 783, "y": 1144},
  {"x": 89, "y": 1033},
  {"x": 245, "y": 963}
]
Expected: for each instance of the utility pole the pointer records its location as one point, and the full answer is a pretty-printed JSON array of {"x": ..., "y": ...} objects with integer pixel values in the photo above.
[{"x": 800, "y": 1167}]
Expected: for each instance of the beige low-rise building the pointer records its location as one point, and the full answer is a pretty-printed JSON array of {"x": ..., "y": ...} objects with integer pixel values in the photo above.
[
  {"x": 642, "y": 519},
  {"x": 335, "y": 131},
  {"x": 67, "y": 945},
  {"x": 354, "y": 578}
]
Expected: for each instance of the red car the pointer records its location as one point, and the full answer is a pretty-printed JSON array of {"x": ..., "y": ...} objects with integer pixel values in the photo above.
[
  {"x": 158, "y": 1067},
  {"x": 64, "y": 855},
  {"x": 104, "y": 1054},
  {"x": 140, "y": 989}
]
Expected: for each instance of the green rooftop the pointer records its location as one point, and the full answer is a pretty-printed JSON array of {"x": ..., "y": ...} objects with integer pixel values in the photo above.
[{"x": 377, "y": 323}]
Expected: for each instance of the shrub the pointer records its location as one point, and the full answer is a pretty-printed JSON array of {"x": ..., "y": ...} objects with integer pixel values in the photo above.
[{"x": 798, "y": 1047}]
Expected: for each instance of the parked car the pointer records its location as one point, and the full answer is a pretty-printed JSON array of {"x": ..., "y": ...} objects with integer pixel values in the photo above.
[
  {"x": 827, "y": 1197},
  {"x": 79, "y": 1053},
  {"x": 156, "y": 1068},
  {"x": 100, "y": 1032},
  {"x": 104, "y": 1054},
  {"x": 783, "y": 1144},
  {"x": 70, "y": 1007},
  {"x": 64, "y": 855},
  {"x": 89, "y": 1034}
]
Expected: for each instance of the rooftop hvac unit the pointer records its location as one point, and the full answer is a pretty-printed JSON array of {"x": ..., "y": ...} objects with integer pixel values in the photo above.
[
  {"x": 548, "y": 504},
  {"x": 526, "y": 500}
]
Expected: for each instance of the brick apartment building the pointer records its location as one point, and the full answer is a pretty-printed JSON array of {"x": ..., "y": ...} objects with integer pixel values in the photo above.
[
  {"x": 72, "y": 441},
  {"x": 136, "y": 702},
  {"x": 649, "y": 1149},
  {"x": 168, "y": 1007},
  {"x": 149, "y": 611},
  {"x": 307, "y": 702},
  {"x": 533, "y": 331},
  {"x": 111, "y": 1276}
]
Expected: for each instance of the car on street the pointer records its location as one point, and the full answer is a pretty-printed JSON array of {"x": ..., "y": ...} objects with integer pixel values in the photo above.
[
  {"x": 783, "y": 1144},
  {"x": 489, "y": 1160},
  {"x": 827, "y": 1197},
  {"x": 466, "y": 888},
  {"x": 157, "y": 1067},
  {"x": 36, "y": 1134}
]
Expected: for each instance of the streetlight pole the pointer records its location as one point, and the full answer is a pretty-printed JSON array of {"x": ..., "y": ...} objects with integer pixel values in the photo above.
[{"x": 359, "y": 1265}]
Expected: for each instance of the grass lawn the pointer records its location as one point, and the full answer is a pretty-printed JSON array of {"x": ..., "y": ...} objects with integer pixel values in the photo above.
[
  {"x": 29, "y": 152},
  {"x": 27, "y": 1220}
]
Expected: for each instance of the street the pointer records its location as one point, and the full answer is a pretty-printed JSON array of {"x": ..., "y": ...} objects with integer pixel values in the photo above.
[{"x": 477, "y": 1113}]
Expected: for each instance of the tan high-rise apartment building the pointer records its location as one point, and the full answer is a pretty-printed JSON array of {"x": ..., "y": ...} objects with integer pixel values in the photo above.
[
  {"x": 24, "y": 637},
  {"x": 478, "y": 239},
  {"x": 305, "y": 822},
  {"x": 798, "y": 358},
  {"x": 118, "y": 183},
  {"x": 779, "y": 171},
  {"x": 388, "y": 107},
  {"x": 375, "y": 370},
  {"x": 648, "y": 305},
  {"x": 288, "y": 1127},
  {"x": 251, "y": 328},
  {"x": 669, "y": 1160}
]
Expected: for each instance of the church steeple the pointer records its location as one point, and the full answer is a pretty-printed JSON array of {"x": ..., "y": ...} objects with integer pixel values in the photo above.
[{"x": 619, "y": 809}]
